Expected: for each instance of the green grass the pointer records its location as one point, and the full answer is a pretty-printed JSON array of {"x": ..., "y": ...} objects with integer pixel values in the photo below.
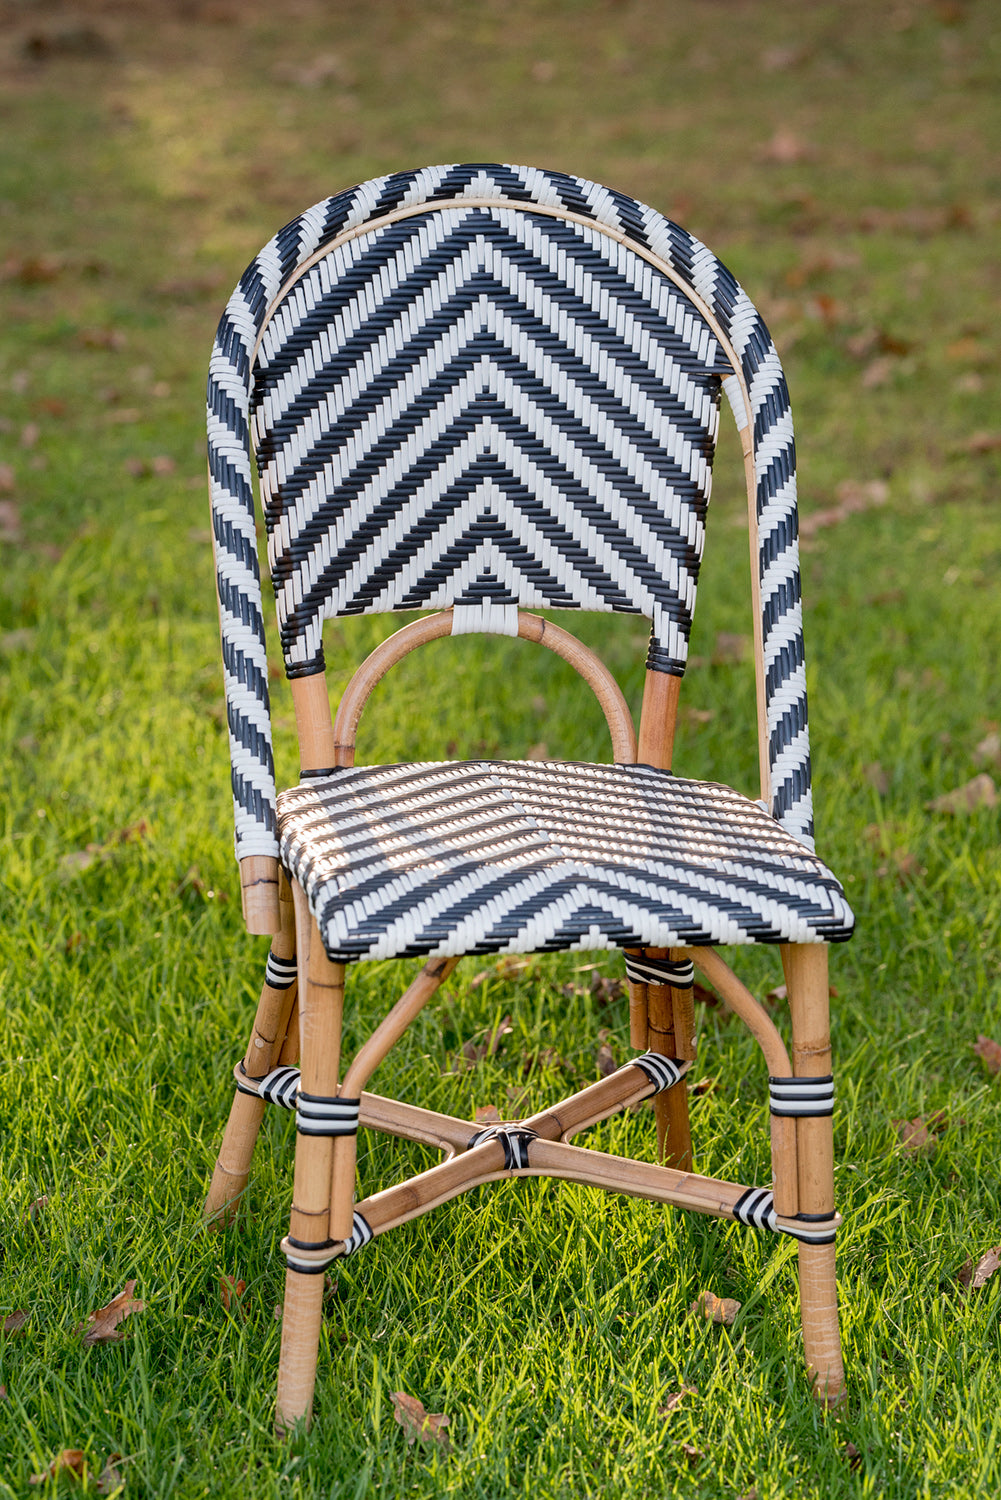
[{"x": 548, "y": 1322}]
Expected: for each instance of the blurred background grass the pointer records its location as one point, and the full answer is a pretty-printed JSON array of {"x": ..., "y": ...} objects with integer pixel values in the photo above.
[{"x": 845, "y": 163}]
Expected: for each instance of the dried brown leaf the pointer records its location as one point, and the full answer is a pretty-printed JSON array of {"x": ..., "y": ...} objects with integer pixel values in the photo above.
[
  {"x": 14, "y": 1322},
  {"x": 702, "y": 1086},
  {"x": 877, "y": 777},
  {"x": 8, "y": 479},
  {"x": 693, "y": 1454},
  {"x": 786, "y": 148},
  {"x": 913, "y": 1135},
  {"x": 111, "y": 1477},
  {"x": 989, "y": 1053},
  {"x": 985, "y": 1268},
  {"x": 716, "y": 1309},
  {"x": 487, "y": 1114},
  {"x": 853, "y": 1457},
  {"x": 10, "y": 521},
  {"x": 230, "y": 1292},
  {"x": 67, "y": 1461},
  {"x": 674, "y": 1400},
  {"x": 606, "y": 1061},
  {"x": 989, "y": 749},
  {"x": 3, "y": 1393},
  {"x": 35, "y": 1208},
  {"x": 101, "y": 1326},
  {"x": 418, "y": 1424},
  {"x": 730, "y": 648},
  {"x": 983, "y": 442},
  {"x": 980, "y": 791}
]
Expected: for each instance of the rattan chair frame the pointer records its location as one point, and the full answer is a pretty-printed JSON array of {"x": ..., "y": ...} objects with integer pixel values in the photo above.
[{"x": 301, "y": 1006}]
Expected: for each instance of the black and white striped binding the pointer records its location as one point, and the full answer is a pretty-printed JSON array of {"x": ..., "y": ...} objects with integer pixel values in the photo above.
[
  {"x": 663, "y": 1072},
  {"x": 280, "y": 973},
  {"x": 361, "y": 1235},
  {"x": 801, "y": 1097},
  {"x": 679, "y": 974},
  {"x": 601, "y": 398},
  {"x": 280, "y": 1086},
  {"x": 515, "y": 1139},
  {"x": 756, "y": 1207},
  {"x": 315, "y": 1115}
]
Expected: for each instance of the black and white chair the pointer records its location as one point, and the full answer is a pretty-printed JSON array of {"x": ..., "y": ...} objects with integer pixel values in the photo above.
[{"x": 479, "y": 391}]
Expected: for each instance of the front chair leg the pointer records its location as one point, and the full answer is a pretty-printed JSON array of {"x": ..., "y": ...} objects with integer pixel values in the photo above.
[
  {"x": 806, "y": 981},
  {"x": 266, "y": 1041},
  {"x": 321, "y": 1002}
]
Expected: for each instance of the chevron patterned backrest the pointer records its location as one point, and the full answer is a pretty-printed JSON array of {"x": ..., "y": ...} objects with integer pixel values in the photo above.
[{"x": 488, "y": 387}]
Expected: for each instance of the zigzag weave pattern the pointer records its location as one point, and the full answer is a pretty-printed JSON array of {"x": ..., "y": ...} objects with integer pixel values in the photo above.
[
  {"x": 510, "y": 408},
  {"x": 534, "y": 856}
]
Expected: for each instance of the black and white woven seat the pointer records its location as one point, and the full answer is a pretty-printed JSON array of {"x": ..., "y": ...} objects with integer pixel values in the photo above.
[
  {"x": 475, "y": 392},
  {"x": 529, "y": 857}
]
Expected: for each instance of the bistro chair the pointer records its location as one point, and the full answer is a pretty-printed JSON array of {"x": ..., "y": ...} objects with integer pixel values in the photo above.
[{"x": 480, "y": 391}]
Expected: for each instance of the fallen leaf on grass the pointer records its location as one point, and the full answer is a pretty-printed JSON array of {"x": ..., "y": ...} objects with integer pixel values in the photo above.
[
  {"x": 418, "y": 1424},
  {"x": 978, "y": 792},
  {"x": 913, "y": 1135},
  {"x": 606, "y": 1057},
  {"x": 730, "y": 648},
  {"x": 973, "y": 1277},
  {"x": 853, "y": 496},
  {"x": 10, "y": 521},
  {"x": 230, "y": 1292},
  {"x": 989, "y": 748},
  {"x": 989, "y": 1052},
  {"x": 487, "y": 1114},
  {"x": 853, "y": 1457},
  {"x": 14, "y": 1322},
  {"x": 786, "y": 148},
  {"x": 3, "y": 1393},
  {"x": 983, "y": 442},
  {"x": 693, "y": 1454},
  {"x": 702, "y": 1086},
  {"x": 675, "y": 1399},
  {"x": 67, "y": 1460},
  {"x": 877, "y": 777},
  {"x": 35, "y": 1209},
  {"x": 8, "y": 479},
  {"x": 716, "y": 1309},
  {"x": 111, "y": 1477},
  {"x": 101, "y": 1326}
]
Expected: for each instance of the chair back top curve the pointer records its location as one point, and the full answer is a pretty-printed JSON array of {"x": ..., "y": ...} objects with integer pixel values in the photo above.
[{"x": 481, "y": 388}]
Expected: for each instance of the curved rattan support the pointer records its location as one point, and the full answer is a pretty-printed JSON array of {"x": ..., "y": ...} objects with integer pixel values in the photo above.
[
  {"x": 530, "y": 628},
  {"x": 761, "y": 1026}
]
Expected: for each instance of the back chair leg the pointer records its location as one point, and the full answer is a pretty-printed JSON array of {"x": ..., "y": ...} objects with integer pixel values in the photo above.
[
  {"x": 321, "y": 1003},
  {"x": 671, "y": 1033},
  {"x": 263, "y": 1050},
  {"x": 806, "y": 980}
]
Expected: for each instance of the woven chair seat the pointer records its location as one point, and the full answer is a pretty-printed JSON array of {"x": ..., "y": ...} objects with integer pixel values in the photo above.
[{"x": 509, "y": 856}]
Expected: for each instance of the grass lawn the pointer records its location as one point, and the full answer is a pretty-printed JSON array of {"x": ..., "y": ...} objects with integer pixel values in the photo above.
[{"x": 844, "y": 161}]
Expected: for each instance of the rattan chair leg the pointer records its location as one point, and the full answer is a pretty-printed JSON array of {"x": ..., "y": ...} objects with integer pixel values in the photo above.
[
  {"x": 266, "y": 1041},
  {"x": 806, "y": 980},
  {"x": 320, "y": 1012},
  {"x": 674, "y": 1131}
]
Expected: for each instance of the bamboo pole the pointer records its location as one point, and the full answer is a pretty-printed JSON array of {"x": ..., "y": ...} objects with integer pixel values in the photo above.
[
  {"x": 321, "y": 1006},
  {"x": 311, "y": 702},
  {"x": 246, "y": 1112},
  {"x": 806, "y": 980}
]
